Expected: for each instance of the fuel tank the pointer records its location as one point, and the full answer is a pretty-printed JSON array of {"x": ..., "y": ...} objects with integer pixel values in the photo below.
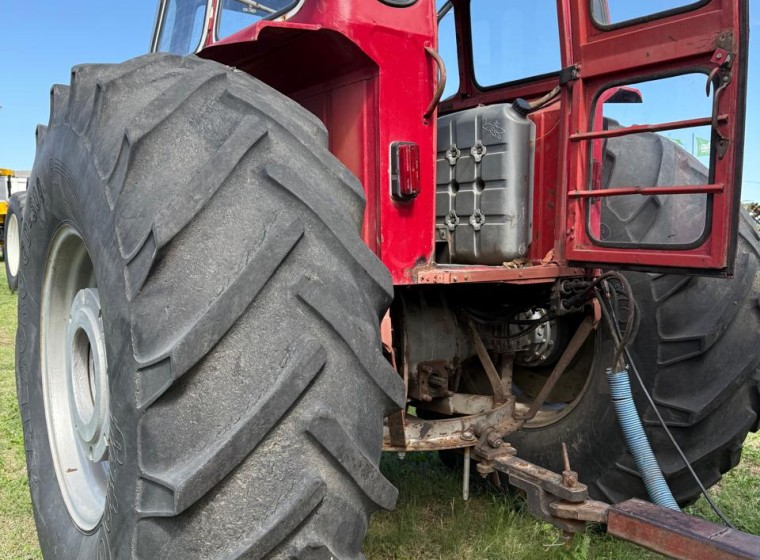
[{"x": 484, "y": 184}]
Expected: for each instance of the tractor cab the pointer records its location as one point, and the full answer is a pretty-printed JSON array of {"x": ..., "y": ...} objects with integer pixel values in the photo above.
[{"x": 558, "y": 199}]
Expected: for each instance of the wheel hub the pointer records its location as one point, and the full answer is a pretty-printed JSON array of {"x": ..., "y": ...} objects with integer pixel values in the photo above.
[
  {"x": 74, "y": 370},
  {"x": 86, "y": 372}
]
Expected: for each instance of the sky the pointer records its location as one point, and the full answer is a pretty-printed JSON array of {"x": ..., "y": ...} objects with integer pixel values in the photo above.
[
  {"x": 42, "y": 40},
  {"x": 672, "y": 99}
]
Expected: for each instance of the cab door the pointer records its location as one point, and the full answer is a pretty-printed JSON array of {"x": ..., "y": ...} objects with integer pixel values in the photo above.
[{"x": 653, "y": 182}]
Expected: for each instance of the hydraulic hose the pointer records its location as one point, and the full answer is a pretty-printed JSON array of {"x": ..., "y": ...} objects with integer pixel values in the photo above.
[{"x": 636, "y": 438}]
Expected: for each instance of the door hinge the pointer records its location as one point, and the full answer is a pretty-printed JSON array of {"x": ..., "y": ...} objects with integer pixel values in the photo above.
[{"x": 569, "y": 74}]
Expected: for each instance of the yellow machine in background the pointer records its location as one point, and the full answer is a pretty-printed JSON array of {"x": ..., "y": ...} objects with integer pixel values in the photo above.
[
  {"x": 12, "y": 203},
  {"x": 5, "y": 195}
]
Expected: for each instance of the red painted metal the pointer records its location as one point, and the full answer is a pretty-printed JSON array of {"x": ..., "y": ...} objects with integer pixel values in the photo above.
[
  {"x": 363, "y": 69},
  {"x": 406, "y": 169},
  {"x": 677, "y": 43},
  {"x": 597, "y": 149},
  {"x": 678, "y": 535},
  {"x": 546, "y": 191},
  {"x": 626, "y": 130}
]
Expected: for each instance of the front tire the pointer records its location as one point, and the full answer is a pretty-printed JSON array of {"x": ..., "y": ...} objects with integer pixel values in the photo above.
[{"x": 240, "y": 322}]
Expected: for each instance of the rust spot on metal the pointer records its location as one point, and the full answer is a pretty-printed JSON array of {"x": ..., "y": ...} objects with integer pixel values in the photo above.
[
  {"x": 453, "y": 274},
  {"x": 450, "y": 433},
  {"x": 589, "y": 510}
]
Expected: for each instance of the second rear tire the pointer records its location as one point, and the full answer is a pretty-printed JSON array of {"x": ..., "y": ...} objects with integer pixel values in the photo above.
[
  {"x": 697, "y": 348},
  {"x": 12, "y": 238}
]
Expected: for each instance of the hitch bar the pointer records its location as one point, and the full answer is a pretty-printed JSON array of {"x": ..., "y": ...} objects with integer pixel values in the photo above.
[
  {"x": 563, "y": 501},
  {"x": 678, "y": 535}
]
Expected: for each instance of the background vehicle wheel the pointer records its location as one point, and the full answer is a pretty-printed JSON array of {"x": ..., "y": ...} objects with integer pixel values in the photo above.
[
  {"x": 217, "y": 407},
  {"x": 697, "y": 348},
  {"x": 12, "y": 238}
]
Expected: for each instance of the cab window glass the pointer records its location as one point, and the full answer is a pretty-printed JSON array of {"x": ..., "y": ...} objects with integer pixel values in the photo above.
[
  {"x": 447, "y": 48},
  {"x": 678, "y": 158},
  {"x": 512, "y": 41},
  {"x": 182, "y": 26},
  {"x": 610, "y": 12},
  {"x": 235, "y": 15}
]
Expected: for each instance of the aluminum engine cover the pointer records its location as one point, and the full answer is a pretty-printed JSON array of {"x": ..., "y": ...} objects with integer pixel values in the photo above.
[{"x": 484, "y": 184}]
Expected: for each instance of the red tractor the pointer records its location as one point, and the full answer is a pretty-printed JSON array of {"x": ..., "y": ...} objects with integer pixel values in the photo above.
[{"x": 341, "y": 227}]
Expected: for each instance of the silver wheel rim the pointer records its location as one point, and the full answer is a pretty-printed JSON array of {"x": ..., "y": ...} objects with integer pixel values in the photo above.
[
  {"x": 12, "y": 248},
  {"x": 75, "y": 377}
]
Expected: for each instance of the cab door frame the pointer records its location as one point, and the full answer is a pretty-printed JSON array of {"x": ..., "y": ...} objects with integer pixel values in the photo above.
[{"x": 710, "y": 36}]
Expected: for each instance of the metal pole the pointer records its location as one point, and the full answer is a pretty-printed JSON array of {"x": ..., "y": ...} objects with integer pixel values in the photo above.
[{"x": 466, "y": 480}]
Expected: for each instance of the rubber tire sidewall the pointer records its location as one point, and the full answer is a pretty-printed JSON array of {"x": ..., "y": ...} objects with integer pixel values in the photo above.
[
  {"x": 70, "y": 191},
  {"x": 590, "y": 430}
]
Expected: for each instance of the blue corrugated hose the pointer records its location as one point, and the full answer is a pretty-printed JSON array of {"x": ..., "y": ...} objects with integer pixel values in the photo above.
[{"x": 636, "y": 438}]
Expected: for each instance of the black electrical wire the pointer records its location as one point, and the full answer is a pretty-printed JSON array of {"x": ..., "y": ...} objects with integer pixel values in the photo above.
[
  {"x": 583, "y": 296},
  {"x": 494, "y": 317},
  {"x": 631, "y": 319},
  {"x": 617, "y": 335},
  {"x": 534, "y": 324},
  {"x": 538, "y": 323}
]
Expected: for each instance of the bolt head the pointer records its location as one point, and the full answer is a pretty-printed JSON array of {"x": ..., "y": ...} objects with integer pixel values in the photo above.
[{"x": 570, "y": 478}]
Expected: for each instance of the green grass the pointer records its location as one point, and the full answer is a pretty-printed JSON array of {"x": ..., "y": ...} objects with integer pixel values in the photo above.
[
  {"x": 18, "y": 539},
  {"x": 430, "y": 521}
]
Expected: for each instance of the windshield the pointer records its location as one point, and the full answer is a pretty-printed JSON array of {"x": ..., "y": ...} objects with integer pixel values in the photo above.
[
  {"x": 182, "y": 26},
  {"x": 235, "y": 15},
  {"x": 183, "y": 23},
  {"x": 261, "y": 9}
]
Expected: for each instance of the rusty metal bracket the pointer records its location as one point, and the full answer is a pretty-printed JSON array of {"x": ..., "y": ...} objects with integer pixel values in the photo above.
[
  {"x": 491, "y": 444},
  {"x": 396, "y": 431},
  {"x": 547, "y": 480},
  {"x": 580, "y": 336},
  {"x": 547, "y": 492},
  {"x": 721, "y": 77},
  {"x": 493, "y": 376},
  {"x": 430, "y": 381},
  {"x": 569, "y": 74},
  {"x": 540, "y": 502},
  {"x": 557, "y": 499},
  {"x": 450, "y": 433},
  {"x": 589, "y": 511},
  {"x": 563, "y": 502}
]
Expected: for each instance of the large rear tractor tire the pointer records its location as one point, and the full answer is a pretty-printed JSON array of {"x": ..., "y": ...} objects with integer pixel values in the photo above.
[
  {"x": 697, "y": 348},
  {"x": 12, "y": 238},
  {"x": 199, "y": 365}
]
